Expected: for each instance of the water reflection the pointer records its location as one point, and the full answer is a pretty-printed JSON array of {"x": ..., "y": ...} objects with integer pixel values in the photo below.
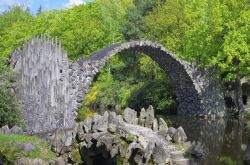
[{"x": 223, "y": 141}]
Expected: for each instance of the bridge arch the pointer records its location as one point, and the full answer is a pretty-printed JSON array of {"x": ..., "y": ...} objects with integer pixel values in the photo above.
[
  {"x": 198, "y": 94},
  {"x": 51, "y": 89}
]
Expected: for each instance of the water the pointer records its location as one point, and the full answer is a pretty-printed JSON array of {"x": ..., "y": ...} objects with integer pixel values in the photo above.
[{"x": 224, "y": 142}]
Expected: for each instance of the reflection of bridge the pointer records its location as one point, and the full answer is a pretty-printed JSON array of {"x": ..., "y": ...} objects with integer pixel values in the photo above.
[
  {"x": 246, "y": 92},
  {"x": 51, "y": 88}
]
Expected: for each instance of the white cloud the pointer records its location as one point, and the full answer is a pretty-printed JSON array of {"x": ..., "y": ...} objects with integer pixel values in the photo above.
[
  {"x": 73, "y": 3},
  {"x": 6, "y": 2}
]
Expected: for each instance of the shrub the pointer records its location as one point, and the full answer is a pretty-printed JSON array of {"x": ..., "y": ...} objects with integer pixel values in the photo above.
[
  {"x": 84, "y": 113},
  {"x": 10, "y": 113},
  {"x": 157, "y": 93}
]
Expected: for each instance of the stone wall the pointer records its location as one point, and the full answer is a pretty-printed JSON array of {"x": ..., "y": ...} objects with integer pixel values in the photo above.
[
  {"x": 198, "y": 92},
  {"x": 51, "y": 88}
]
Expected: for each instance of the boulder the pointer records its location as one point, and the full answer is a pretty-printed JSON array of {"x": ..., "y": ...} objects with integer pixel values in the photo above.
[
  {"x": 136, "y": 144},
  {"x": 179, "y": 135},
  {"x": 171, "y": 131},
  {"x": 163, "y": 128},
  {"x": 5, "y": 130},
  {"x": 149, "y": 117},
  {"x": 114, "y": 119},
  {"x": 112, "y": 128},
  {"x": 27, "y": 161},
  {"x": 148, "y": 152},
  {"x": 161, "y": 154},
  {"x": 100, "y": 123},
  {"x": 130, "y": 116},
  {"x": 155, "y": 125},
  {"x": 16, "y": 130},
  {"x": 27, "y": 147},
  {"x": 60, "y": 161},
  {"x": 196, "y": 149},
  {"x": 80, "y": 132},
  {"x": 61, "y": 140},
  {"x": 142, "y": 118},
  {"x": 87, "y": 125}
]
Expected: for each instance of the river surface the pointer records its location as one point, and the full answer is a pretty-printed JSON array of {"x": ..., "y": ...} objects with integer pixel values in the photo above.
[{"x": 224, "y": 142}]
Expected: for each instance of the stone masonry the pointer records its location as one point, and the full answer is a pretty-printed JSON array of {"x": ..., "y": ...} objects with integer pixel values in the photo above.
[{"x": 51, "y": 88}]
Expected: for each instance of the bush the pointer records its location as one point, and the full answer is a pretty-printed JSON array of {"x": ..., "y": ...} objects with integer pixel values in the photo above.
[
  {"x": 10, "y": 113},
  {"x": 156, "y": 93},
  {"x": 84, "y": 113}
]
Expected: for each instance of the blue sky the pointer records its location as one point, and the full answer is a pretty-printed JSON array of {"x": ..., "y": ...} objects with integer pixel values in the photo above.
[{"x": 46, "y": 4}]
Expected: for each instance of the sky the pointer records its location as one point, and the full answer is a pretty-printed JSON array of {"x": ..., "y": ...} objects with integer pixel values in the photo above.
[{"x": 33, "y": 5}]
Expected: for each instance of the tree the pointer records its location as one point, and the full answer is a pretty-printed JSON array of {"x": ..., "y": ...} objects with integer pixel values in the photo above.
[
  {"x": 113, "y": 12},
  {"x": 134, "y": 24},
  {"x": 209, "y": 32},
  {"x": 10, "y": 113},
  {"x": 169, "y": 27},
  {"x": 16, "y": 27},
  {"x": 39, "y": 10},
  {"x": 77, "y": 28}
]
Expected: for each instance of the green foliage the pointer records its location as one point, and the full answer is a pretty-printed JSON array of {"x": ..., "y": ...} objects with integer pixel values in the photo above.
[
  {"x": 130, "y": 138},
  {"x": 78, "y": 29},
  {"x": 112, "y": 13},
  {"x": 134, "y": 24},
  {"x": 226, "y": 160},
  {"x": 207, "y": 32},
  {"x": 119, "y": 160},
  {"x": 77, "y": 156},
  {"x": 169, "y": 27},
  {"x": 134, "y": 27},
  {"x": 156, "y": 93},
  {"x": 15, "y": 28},
  {"x": 10, "y": 113},
  {"x": 12, "y": 153},
  {"x": 80, "y": 33},
  {"x": 84, "y": 113},
  {"x": 133, "y": 80}
]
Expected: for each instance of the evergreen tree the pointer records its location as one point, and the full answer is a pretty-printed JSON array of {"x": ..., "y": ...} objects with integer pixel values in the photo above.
[{"x": 39, "y": 10}]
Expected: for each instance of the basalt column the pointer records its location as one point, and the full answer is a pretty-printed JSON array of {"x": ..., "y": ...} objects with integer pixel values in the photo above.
[{"x": 43, "y": 87}]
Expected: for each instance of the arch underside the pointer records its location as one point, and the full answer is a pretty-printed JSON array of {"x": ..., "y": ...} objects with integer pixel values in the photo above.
[
  {"x": 246, "y": 89},
  {"x": 193, "y": 87}
]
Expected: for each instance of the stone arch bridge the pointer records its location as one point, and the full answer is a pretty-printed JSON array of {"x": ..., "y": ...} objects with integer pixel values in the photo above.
[{"x": 51, "y": 88}]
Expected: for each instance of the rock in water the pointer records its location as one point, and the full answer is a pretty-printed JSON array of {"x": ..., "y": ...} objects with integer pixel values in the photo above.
[
  {"x": 246, "y": 158},
  {"x": 179, "y": 135},
  {"x": 1, "y": 159}
]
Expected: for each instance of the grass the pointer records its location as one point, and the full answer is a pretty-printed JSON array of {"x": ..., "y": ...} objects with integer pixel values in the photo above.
[{"x": 11, "y": 153}]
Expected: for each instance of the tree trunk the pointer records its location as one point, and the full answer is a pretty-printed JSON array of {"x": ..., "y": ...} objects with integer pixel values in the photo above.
[{"x": 238, "y": 95}]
